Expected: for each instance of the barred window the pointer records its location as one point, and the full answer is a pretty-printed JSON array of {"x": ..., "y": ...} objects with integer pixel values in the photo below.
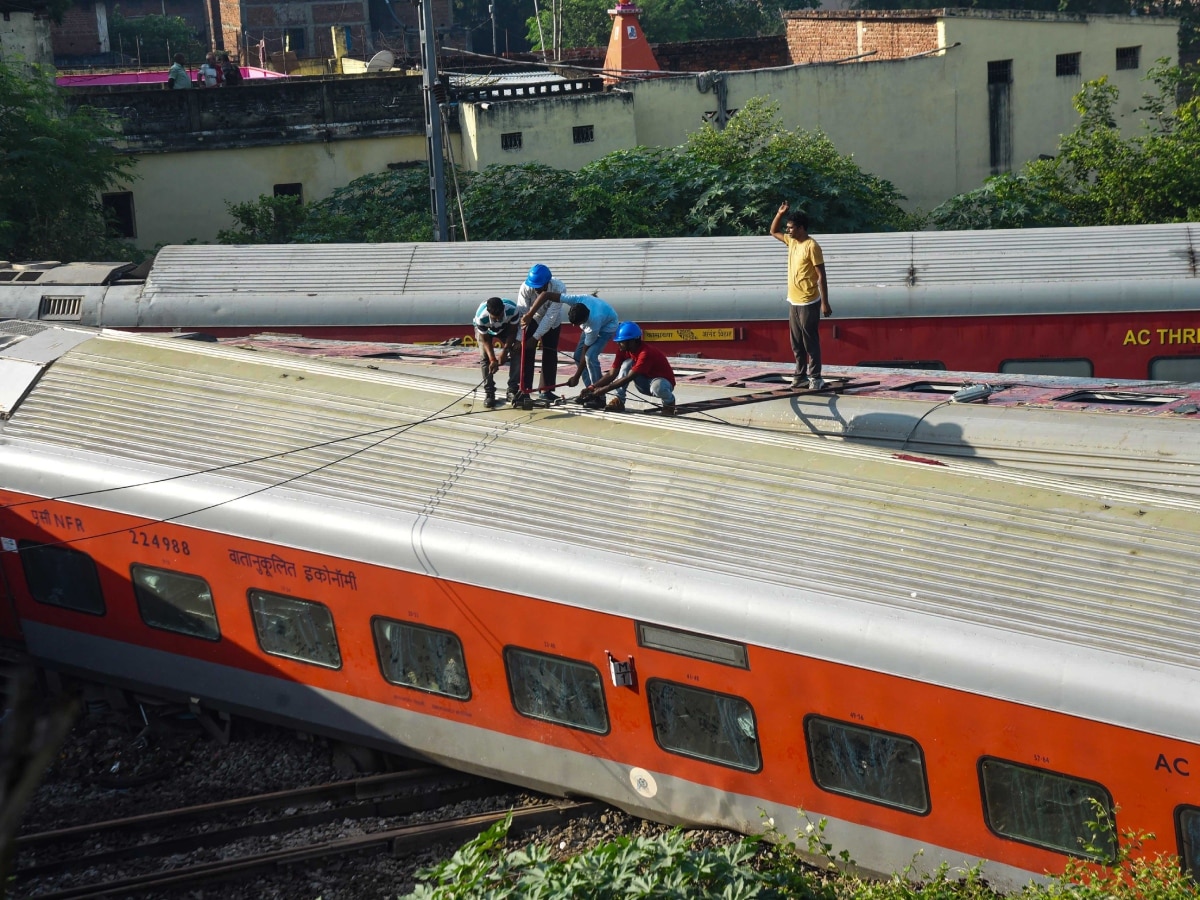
[
  {"x": 1067, "y": 64},
  {"x": 61, "y": 576},
  {"x": 296, "y": 629},
  {"x": 1044, "y": 808},
  {"x": 557, "y": 690},
  {"x": 1000, "y": 71},
  {"x": 510, "y": 140},
  {"x": 172, "y": 601},
  {"x": 1129, "y": 57},
  {"x": 583, "y": 134},
  {"x": 427, "y": 659},
  {"x": 714, "y": 727},
  {"x": 866, "y": 763}
]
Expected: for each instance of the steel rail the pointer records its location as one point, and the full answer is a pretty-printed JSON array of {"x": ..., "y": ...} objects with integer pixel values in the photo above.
[{"x": 397, "y": 841}]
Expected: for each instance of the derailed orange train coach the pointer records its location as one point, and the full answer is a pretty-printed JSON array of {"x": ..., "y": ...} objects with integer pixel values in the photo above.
[{"x": 694, "y": 622}]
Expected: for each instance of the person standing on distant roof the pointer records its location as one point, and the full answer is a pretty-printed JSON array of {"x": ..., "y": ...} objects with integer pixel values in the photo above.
[
  {"x": 495, "y": 324},
  {"x": 541, "y": 329},
  {"x": 808, "y": 295},
  {"x": 177, "y": 77},
  {"x": 209, "y": 75}
]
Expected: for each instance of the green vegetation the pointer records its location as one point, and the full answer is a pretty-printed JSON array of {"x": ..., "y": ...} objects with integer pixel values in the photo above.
[
  {"x": 53, "y": 165},
  {"x": 153, "y": 39},
  {"x": 1098, "y": 176},
  {"x": 719, "y": 183},
  {"x": 670, "y": 866}
]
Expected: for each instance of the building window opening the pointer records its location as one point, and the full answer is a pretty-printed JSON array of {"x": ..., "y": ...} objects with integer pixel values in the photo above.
[
  {"x": 118, "y": 214},
  {"x": 510, "y": 140},
  {"x": 291, "y": 189},
  {"x": 584, "y": 134},
  {"x": 1066, "y": 64},
  {"x": 1000, "y": 71},
  {"x": 1129, "y": 57}
]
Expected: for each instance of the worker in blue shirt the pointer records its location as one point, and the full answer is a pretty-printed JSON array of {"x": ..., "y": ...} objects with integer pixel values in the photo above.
[{"x": 598, "y": 321}]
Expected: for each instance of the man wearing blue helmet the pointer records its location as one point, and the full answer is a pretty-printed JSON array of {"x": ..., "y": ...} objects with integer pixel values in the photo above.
[
  {"x": 542, "y": 329},
  {"x": 636, "y": 361}
]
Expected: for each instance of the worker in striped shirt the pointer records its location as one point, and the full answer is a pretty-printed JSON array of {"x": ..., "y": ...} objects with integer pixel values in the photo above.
[{"x": 496, "y": 324}]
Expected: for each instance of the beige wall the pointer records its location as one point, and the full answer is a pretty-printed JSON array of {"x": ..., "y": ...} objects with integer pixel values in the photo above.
[
  {"x": 921, "y": 123},
  {"x": 547, "y": 129},
  {"x": 25, "y": 37},
  {"x": 181, "y": 196}
]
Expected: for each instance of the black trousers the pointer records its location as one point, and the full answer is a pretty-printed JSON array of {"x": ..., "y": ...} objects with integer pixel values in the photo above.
[
  {"x": 803, "y": 322},
  {"x": 520, "y": 372}
]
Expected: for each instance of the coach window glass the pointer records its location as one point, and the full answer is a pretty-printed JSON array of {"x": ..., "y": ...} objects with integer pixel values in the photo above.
[
  {"x": 61, "y": 576},
  {"x": 172, "y": 601},
  {"x": 868, "y": 764},
  {"x": 427, "y": 659},
  {"x": 1047, "y": 809},
  {"x": 718, "y": 728},
  {"x": 563, "y": 691},
  {"x": 296, "y": 629}
]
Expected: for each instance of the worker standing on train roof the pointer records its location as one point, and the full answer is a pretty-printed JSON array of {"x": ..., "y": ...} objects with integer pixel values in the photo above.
[
  {"x": 598, "y": 321},
  {"x": 542, "y": 330},
  {"x": 496, "y": 323},
  {"x": 807, "y": 286},
  {"x": 636, "y": 361}
]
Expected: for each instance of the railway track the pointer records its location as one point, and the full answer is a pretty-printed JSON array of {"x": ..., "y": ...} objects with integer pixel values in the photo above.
[{"x": 58, "y": 868}]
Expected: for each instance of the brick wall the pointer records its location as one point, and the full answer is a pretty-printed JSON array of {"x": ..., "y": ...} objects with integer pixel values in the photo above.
[
  {"x": 77, "y": 34},
  {"x": 261, "y": 113},
  {"x": 821, "y": 37},
  {"x": 309, "y": 22}
]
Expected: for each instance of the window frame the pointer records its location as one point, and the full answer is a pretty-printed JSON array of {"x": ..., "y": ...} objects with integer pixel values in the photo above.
[
  {"x": 508, "y": 677},
  {"x": 1125, "y": 55},
  {"x": 137, "y": 597},
  {"x": 1068, "y": 64},
  {"x": 583, "y": 134},
  {"x": 308, "y": 662},
  {"x": 883, "y": 732},
  {"x": 379, "y": 620},
  {"x": 1192, "y": 868},
  {"x": 94, "y": 575},
  {"x": 123, "y": 222},
  {"x": 512, "y": 141},
  {"x": 1055, "y": 359},
  {"x": 651, "y": 682},
  {"x": 1052, "y": 848}
]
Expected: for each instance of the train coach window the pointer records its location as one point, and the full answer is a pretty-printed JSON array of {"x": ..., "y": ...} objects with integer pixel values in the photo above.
[
  {"x": 1187, "y": 825},
  {"x": 687, "y": 643},
  {"x": 61, "y": 576},
  {"x": 1175, "y": 368},
  {"x": 296, "y": 629},
  {"x": 714, "y": 727},
  {"x": 427, "y": 659},
  {"x": 556, "y": 690},
  {"x": 868, "y": 764},
  {"x": 1043, "y": 808},
  {"x": 175, "y": 602},
  {"x": 1074, "y": 368}
]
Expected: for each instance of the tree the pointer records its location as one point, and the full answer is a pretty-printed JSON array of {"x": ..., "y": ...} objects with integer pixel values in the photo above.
[
  {"x": 54, "y": 163},
  {"x": 153, "y": 39}
]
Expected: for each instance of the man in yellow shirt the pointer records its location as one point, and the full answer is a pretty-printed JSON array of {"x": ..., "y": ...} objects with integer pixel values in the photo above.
[{"x": 807, "y": 287}]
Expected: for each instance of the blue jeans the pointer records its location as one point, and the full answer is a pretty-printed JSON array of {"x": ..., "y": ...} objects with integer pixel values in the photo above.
[
  {"x": 591, "y": 353},
  {"x": 653, "y": 387}
]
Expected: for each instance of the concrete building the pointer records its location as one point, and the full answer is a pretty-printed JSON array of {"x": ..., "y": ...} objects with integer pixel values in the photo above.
[
  {"x": 933, "y": 101},
  {"x": 24, "y": 34}
]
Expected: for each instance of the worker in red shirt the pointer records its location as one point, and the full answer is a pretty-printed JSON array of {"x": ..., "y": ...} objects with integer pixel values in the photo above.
[{"x": 635, "y": 361}]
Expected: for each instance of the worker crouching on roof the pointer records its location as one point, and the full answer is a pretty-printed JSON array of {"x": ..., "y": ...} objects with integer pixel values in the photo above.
[
  {"x": 496, "y": 324},
  {"x": 636, "y": 361}
]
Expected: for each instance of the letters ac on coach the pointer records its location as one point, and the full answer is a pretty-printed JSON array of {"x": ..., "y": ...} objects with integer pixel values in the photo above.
[{"x": 1177, "y": 766}]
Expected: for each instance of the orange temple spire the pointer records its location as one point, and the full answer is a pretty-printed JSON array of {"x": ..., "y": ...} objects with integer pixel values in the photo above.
[{"x": 627, "y": 47}]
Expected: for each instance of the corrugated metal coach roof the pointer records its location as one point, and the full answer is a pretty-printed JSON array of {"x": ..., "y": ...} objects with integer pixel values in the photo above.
[
  {"x": 926, "y": 273},
  {"x": 951, "y": 573}
]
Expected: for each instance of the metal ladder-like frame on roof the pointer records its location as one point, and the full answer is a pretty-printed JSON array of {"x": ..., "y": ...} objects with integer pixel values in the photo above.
[{"x": 832, "y": 386}]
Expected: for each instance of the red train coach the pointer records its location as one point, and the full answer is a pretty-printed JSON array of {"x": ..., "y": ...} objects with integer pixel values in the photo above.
[
  {"x": 1104, "y": 302},
  {"x": 693, "y": 621}
]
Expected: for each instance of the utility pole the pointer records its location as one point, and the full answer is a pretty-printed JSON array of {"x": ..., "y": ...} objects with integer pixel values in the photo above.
[
  {"x": 492, "y": 13},
  {"x": 433, "y": 121}
]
